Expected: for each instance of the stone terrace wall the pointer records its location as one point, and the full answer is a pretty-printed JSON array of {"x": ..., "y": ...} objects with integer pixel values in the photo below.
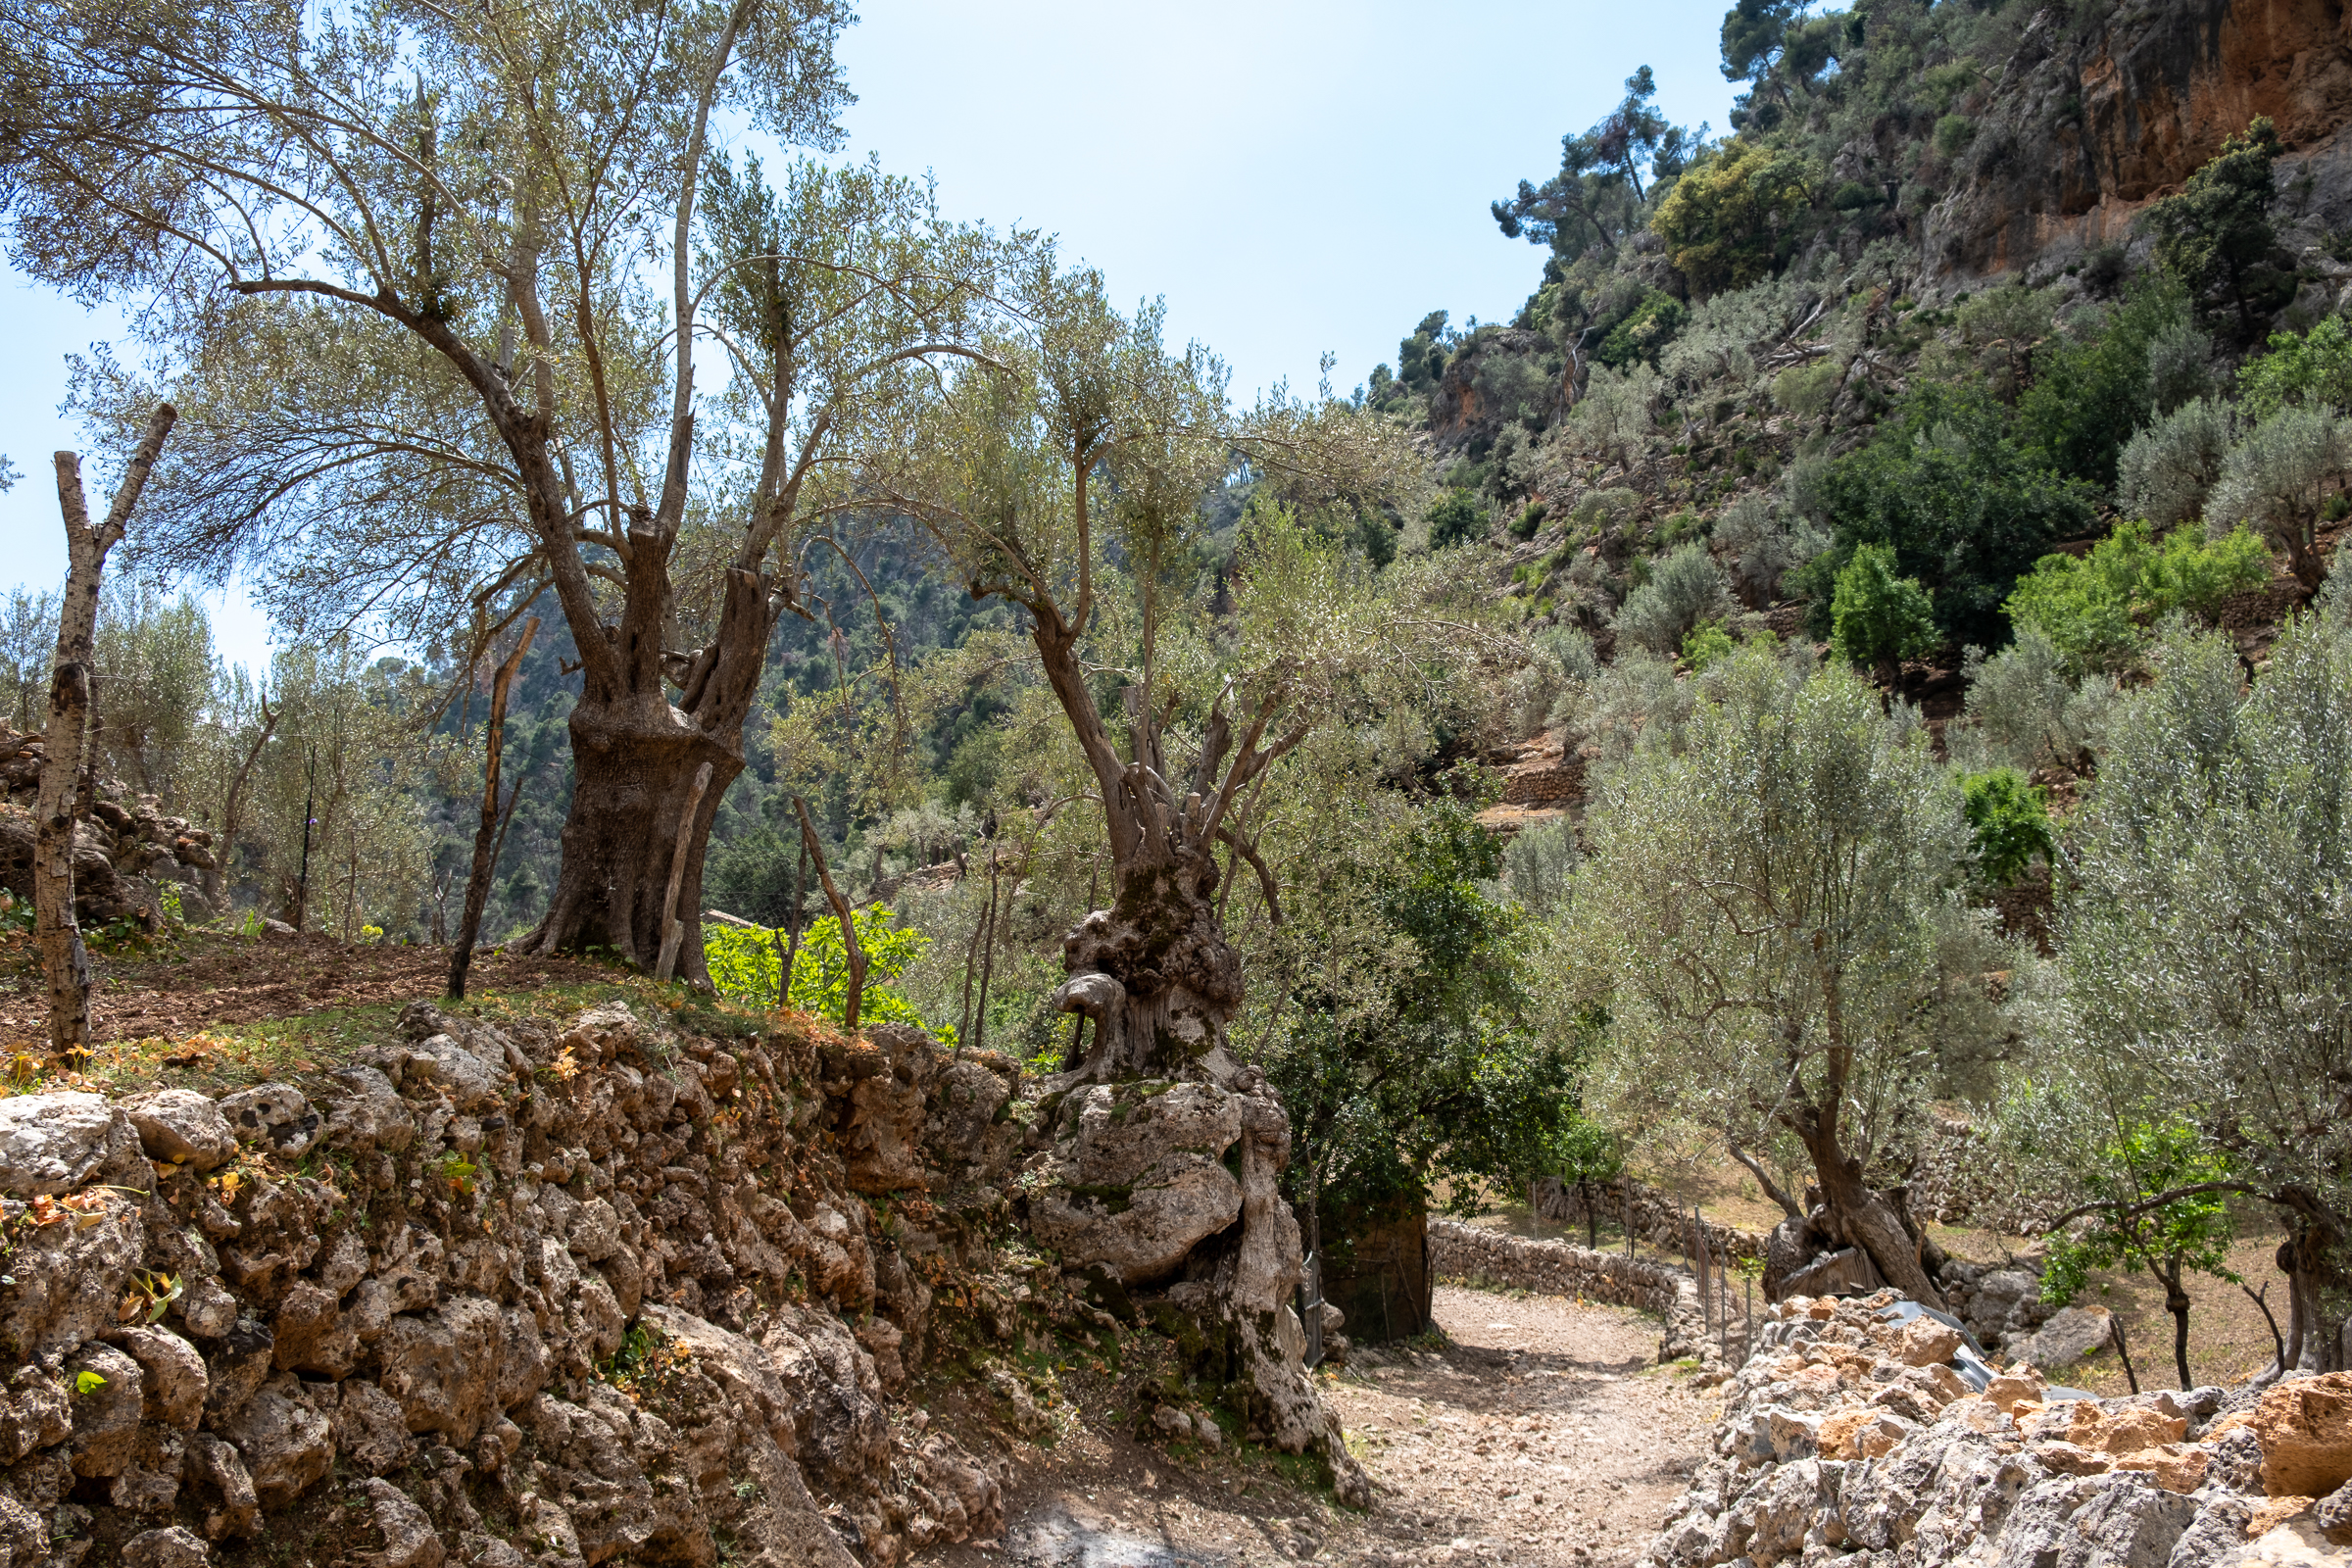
[
  {"x": 535, "y": 1299},
  {"x": 1657, "y": 1219},
  {"x": 1552, "y": 1269}
]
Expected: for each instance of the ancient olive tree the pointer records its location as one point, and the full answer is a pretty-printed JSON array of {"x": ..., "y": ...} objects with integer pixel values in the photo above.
[
  {"x": 1771, "y": 916},
  {"x": 1067, "y": 477},
  {"x": 432, "y": 284},
  {"x": 2205, "y": 954}
]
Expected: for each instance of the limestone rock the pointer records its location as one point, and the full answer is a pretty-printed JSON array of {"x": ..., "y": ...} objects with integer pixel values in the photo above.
[
  {"x": 221, "y": 1469},
  {"x": 276, "y": 1115},
  {"x": 35, "y": 1414},
  {"x": 173, "y": 1377},
  {"x": 370, "y": 1115},
  {"x": 54, "y": 1142},
  {"x": 180, "y": 1126},
  {"x": 408, "y": 1538},
  {"x": 107, "y": 1394},
  {"x": 1928, "y": 1343},
  {"x": 2070, "y": 1334},
  {"x": 285, "y": 1442},
  {"x": 2305, "y": 1429},
  {"x": 369, "y": 1429},
  {"x": 174, "y": 1547}
]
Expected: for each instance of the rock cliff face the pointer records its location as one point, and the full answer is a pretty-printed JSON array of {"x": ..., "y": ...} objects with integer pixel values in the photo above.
[
  {"x": 2083, "y": 129},
  {"x": 564, "y": 1297}
]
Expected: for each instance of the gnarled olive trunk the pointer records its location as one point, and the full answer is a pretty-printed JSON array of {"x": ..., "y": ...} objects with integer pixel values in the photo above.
[{"x": 1155, "y": 973}]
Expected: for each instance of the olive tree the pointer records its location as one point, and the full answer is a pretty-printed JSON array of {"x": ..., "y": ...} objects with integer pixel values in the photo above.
[
  {"x": 434, "y": 283},
  {"x": 1773, "y": 917},
  {"x": 1085, "y": 434},
  {"x": 2205, "y": 946},
  {"x": 2279, "y": 477}
]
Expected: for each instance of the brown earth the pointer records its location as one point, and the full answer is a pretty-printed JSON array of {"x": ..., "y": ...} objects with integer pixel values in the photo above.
[
  {"x": 202, "y": 980},
  {"x": 1528, "y": 1429}
]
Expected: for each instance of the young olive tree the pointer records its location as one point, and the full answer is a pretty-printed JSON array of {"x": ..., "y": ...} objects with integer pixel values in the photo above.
[
  {"x": 1772, "y": 918},
  {"x": 433, "y": 283},
  {"x": 2205, "y": 952}
]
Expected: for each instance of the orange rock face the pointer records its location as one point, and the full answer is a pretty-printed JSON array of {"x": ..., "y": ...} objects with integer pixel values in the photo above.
[{"x": 2305, "y": 1428}]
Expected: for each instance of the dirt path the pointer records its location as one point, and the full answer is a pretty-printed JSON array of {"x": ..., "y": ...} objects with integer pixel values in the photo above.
[{"x": 1536, "y": 1433}]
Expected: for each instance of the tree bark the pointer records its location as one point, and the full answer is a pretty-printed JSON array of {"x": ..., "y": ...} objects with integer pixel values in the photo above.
[
  {"x": 64, "y": 961},
  {"x": 233, "y": 810},
  {"x": 491, "y": 832},
  {"x": 1863, "y": 1218},
  {"x": 2176, "y": 1301},
  {"x": 842, "y": 912}
]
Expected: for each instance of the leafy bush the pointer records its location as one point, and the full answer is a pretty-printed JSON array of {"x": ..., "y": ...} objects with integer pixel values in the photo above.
[
  {"x": 2011, "y": 822},
  {"x": 1454, "y": 520},
  {"x": 1706, "y": 643},
  {"x": 1685, "y": 588},
  {"x": 2314, "y": 370},
  {"x": 2025, "y": 710},
  {"x": 744, "y": 966},
  {"x": 2090, "y": 394},
  {"x": 1649, "y": 328},
  {"x": 1805, "y": 390},
  {"x": 1962, "y": 504},
  {"x": 1735, "y": 215},
  {"x": 1524, "y": 526},
  {"x": 2095, "y": 609},
  {"x": 1613, "y": 417},
  {"x": 1538, "y": 863},
  {"x": 1877, "y": 619}
]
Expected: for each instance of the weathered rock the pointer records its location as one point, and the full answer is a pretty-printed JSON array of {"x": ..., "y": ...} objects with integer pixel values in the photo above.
[
  {"x": 474, "y": 1083},
  {"x": 278, "y": 1116},
  {"x": 180, "y": 1126},
  {"x": 55, "y": 1143},
  {"x": 2070, "y": 1334},
  {"x": 235, "y": 1508},
  {"x": 34, "y": 1412},
  {"x": 173, "y": 1377},
  {"x": 285, "y": 1442},
  {"x": 1928, "y": 1343},
  {"x": 450, "y": 1370},
  {"x": 107, "y": 1394},
  {"x": 2305, "y": 1429},
  {"x": 407, "y": 1531},
  {"x": 370, "y": 1115},
  {"x": 165, "y": 1548},
  {"x": 369, "y": 1431}
]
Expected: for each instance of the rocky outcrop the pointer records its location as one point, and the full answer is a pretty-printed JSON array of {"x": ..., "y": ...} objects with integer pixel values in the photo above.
[
  {"x": 2084, "y": 123},
  {"x": 125, "y": 850},
  {"x": 1853, "y": 1433},
  {"x": 561, "y": 1297}
]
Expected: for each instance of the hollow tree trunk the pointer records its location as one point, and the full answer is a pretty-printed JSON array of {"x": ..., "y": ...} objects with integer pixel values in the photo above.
[
  {"x": 2176, "y": 1301},
  {"x": 1154, "y": 972}
]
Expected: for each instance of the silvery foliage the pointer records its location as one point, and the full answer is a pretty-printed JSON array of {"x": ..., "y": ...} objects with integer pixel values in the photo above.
[
  {"x": 2208, "y": 950},
  {"x": 1615, "y": 414},
  {"x": 2278, "y": 474},
  {"x": 2180, "y": 365},
  {"x": 1686, "y": 588},
  {"x": 1540, "y": 866},
  {"x": 2168, "y": 469},
  {"x": 1768, "y": 542},
  {"x": 1723, "y": 334},
  {"x": 1560, "y": 664},
  {"x": 1778, "y": 899},
  {"x": 2024, "y": 711}
]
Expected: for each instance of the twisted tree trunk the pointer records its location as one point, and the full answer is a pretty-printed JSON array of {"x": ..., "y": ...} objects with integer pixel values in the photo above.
[{"x": 64, "y": 961}]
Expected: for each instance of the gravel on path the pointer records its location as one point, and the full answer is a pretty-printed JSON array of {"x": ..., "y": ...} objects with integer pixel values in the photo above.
[{"x": 1534, "y": 1431}]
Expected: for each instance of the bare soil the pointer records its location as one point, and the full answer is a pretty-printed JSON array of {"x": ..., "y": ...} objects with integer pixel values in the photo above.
[
  {"x": 206, "y": 980},
  {"x": 1529, "y": 1430}
]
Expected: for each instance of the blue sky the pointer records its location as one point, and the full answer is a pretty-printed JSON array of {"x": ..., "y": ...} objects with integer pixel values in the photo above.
[{"x": 1291, "y": 177}]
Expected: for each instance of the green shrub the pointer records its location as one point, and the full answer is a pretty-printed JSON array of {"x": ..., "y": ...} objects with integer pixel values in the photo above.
[
  {"x": 1805, "y": 390},
  {"x": 744, "y": 966},
  {"x": 1529, "y": 521},
  {"x": 1706, "y": 643},
  {"x": 1964, "y": 506},
  {"x": 1648, "y": 328},
  {"x": 2010, "y": 820},
  {"x": 1734, "y": 214},
  {"x": 2096, "y": 609},
  {"x": 1878, "y": 619},
  {"x": 2314, "y": 368},
  {"x": 1454, "y": 520}
]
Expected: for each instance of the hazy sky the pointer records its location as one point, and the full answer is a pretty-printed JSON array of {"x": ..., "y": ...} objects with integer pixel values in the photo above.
[{"x": 1292, "y": 177}]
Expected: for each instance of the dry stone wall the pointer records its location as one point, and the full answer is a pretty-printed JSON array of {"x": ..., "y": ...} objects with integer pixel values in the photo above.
[{"x": 554, "y": 1296}]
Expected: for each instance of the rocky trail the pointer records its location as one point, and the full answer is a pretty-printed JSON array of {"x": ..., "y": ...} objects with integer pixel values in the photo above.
[{"x": 1532, "y": 1430}]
